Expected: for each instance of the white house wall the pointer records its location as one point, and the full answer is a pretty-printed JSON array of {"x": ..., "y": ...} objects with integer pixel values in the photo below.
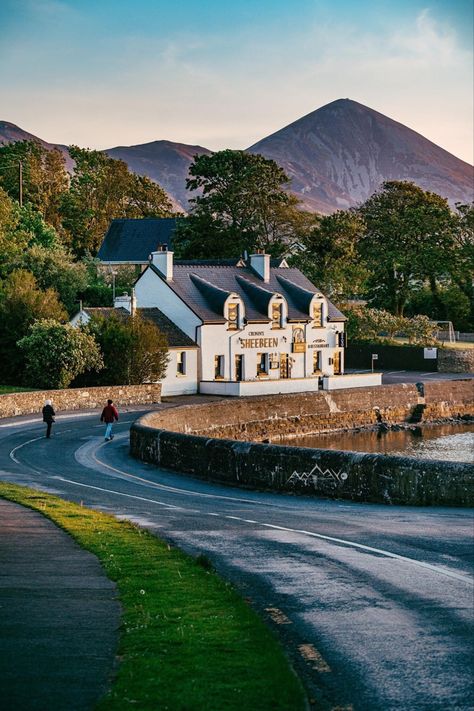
[
  {"x": 216, "y": 339},
  {"x": 175, "y": 383},
  {"x": 152, "y": 292}
]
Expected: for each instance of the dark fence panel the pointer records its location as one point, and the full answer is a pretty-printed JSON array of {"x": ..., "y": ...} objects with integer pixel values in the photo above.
[{"x": 359, "y": 355}]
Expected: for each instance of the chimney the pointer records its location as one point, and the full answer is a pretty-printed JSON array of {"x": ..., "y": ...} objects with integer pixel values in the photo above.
[
  {"x": 133, "y": 303},
  {"x": 260, "y": 263},
  {"x": 123, "y": 302},
  {"x": 162, "y": 259}
]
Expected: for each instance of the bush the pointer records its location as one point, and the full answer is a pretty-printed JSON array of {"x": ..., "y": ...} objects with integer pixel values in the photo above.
[
  {"x": 134, "y": 350},
  {"x": 365, "y": 324},
  {"x": 56, "y": 353}
]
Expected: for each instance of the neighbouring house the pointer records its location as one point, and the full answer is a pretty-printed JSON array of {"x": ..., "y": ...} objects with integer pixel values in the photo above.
[
  {"x": 261, "y": 326},
  {"x": 181, "y": 374},
  {"x": 131, "y": 241}
]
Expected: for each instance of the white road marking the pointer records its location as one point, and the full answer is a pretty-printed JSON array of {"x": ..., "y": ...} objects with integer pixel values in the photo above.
[
  {"x": 379, "y": 551},
  {"x": 331, "y": 539},
  {"x": 152, "y": 484},
  {"x": 120, "y": 493},
  {"x": 23, "y": 444}
]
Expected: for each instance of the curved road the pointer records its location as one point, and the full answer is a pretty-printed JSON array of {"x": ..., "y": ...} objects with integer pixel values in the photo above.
[{"x": 373, "y": 603}]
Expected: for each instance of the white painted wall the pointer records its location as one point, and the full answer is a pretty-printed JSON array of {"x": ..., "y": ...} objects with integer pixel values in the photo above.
[
  {"x": 152, "y": 291},
  {"x": 175, "y": 383},
  {"x": 354, "y": 380}
]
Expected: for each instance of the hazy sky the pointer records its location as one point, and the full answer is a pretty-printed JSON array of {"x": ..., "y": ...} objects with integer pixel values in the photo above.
[{"x": 102, "y": 73}]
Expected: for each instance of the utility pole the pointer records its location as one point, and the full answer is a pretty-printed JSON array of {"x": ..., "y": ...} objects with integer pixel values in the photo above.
[{"x": 20, "y": 182}]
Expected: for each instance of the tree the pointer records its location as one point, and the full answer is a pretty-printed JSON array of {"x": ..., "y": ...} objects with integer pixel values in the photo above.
[
  {"x": 54, "y": 267},
  {"x": 12, "y": 242},
  {"x": 21, "y": 304},
  {"x": 239, "y": 205},
  {"x": 57, "y": 353},
  {"x": 409, "y": 236},
  {"x": 461, "y": 265},
  {"x": 45, "y": 178},
  {"x": 134, "y": 350},
  {"x": 331, "y": 259},
  {"x": 102, "y": 188}
]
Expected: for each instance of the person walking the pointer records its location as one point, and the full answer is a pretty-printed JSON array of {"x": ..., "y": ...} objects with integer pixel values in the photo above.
[
  {"x": 109, "y": 416},
  {"x": 48, "y": 417}
]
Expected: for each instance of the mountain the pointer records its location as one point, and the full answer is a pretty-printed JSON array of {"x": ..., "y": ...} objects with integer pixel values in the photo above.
[
  {"x": 338, "y": 155},
  {"x": 163, "y": 161},
  {"x": 11, "y": 133}
]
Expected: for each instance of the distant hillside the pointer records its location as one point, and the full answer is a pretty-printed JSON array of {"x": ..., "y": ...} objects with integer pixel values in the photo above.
[
  {"x": 10, "y": 133},
  {"x": 163, "y": 161},
  {"x": 336, "y": 156},
  {"x": 339, "y": 155}
]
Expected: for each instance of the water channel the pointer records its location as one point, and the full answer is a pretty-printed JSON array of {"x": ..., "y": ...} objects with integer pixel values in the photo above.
[{"x": 450, "y": 442}]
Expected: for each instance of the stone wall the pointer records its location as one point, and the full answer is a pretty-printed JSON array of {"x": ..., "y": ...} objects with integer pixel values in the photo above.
[
  {"x": 345, "y": 475},
  {"x": 455, "y": 360},
  {"x": 201, "y": 440},
  {"x": 27, "y": 403},
  {"x": 275, "y": 416}
]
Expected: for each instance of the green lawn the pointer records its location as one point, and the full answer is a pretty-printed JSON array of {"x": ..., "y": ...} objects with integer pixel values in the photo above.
[
  {"x": 188, "y": 641},
  {"x": 5, "y": 389}
]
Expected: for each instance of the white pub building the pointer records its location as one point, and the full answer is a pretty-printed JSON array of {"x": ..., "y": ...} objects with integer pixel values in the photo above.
[{"x": 257, "y": 326}]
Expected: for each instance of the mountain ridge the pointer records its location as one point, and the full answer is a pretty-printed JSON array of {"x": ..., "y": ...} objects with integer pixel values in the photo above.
[{"x": 336, "y": 157}]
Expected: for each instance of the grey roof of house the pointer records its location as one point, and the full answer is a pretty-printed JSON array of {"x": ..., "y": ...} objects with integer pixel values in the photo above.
[
  {"x": 176, "y": 337},
  {"x": 204, "y": 288},
  {"x": 132, "y": 240}
]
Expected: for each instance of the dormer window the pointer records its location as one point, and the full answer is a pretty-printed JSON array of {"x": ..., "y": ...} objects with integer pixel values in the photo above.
[
  {"x": 317, "y": 314},
  {"x": 233, "y": 317},
  {"x": 277, "y": 314}
]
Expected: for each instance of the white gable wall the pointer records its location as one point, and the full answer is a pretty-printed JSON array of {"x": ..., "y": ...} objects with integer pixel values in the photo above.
[{"x": 151, "y": 291}]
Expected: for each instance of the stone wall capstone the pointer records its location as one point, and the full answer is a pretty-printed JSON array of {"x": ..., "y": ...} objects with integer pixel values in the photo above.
[{"x": 27, "y": 403}]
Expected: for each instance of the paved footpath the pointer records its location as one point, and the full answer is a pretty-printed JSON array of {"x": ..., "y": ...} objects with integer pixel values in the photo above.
[{"x": 59, "y": 617}]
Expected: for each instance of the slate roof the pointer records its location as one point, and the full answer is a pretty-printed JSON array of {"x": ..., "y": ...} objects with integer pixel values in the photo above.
[
  {"x": 132, "y": 240},
  {"x": 176, "y": 337},
  {"x": 204, "y": 287}
]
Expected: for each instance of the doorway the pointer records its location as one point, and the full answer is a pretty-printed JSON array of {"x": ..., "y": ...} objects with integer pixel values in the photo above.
[{"x": 337, "y": 362}]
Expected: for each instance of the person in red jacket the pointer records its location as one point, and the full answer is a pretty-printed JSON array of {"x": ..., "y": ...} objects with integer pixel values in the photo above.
[{"x": 109, "y": 416}]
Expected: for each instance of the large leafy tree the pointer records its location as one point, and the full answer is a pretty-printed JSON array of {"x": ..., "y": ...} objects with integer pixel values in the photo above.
[
  {"x": 409, "y": 238},
  {"x": 240, "y": 205},
  {"x": 45, "y": 179},
  {"x": 134, "y": 349},
  {"x": 330, "y": 257},
  {"x": 57, "y": 353},
  {"x": 21, "y": 304},
  {"x": 102, "y": 188},
  {"x": 54, "y": 267},
  {"x": 461, "y": 266}
]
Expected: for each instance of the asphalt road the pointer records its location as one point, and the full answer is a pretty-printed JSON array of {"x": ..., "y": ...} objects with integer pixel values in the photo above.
[{"x": 374, "y": 604}]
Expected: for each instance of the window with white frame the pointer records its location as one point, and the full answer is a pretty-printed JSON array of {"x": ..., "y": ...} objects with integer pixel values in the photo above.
[
  {"x": 181, "y": 363},
  {"x": 233, "y": 317},
  {"x": 317, "y": 314},
  {"x": 277, "y": 314},
  {"x": 218, "y": 367}
]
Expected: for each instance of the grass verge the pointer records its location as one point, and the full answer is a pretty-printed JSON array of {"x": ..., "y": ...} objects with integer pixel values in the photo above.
[
  {"x": 6, "y": 389},
  {"x": 188, "y": 641}
]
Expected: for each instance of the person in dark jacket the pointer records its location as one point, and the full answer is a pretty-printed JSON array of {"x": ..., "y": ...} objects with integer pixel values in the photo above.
[
  {"x": 109, "y": 416},
  {"x": 48, "y": 417}
]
